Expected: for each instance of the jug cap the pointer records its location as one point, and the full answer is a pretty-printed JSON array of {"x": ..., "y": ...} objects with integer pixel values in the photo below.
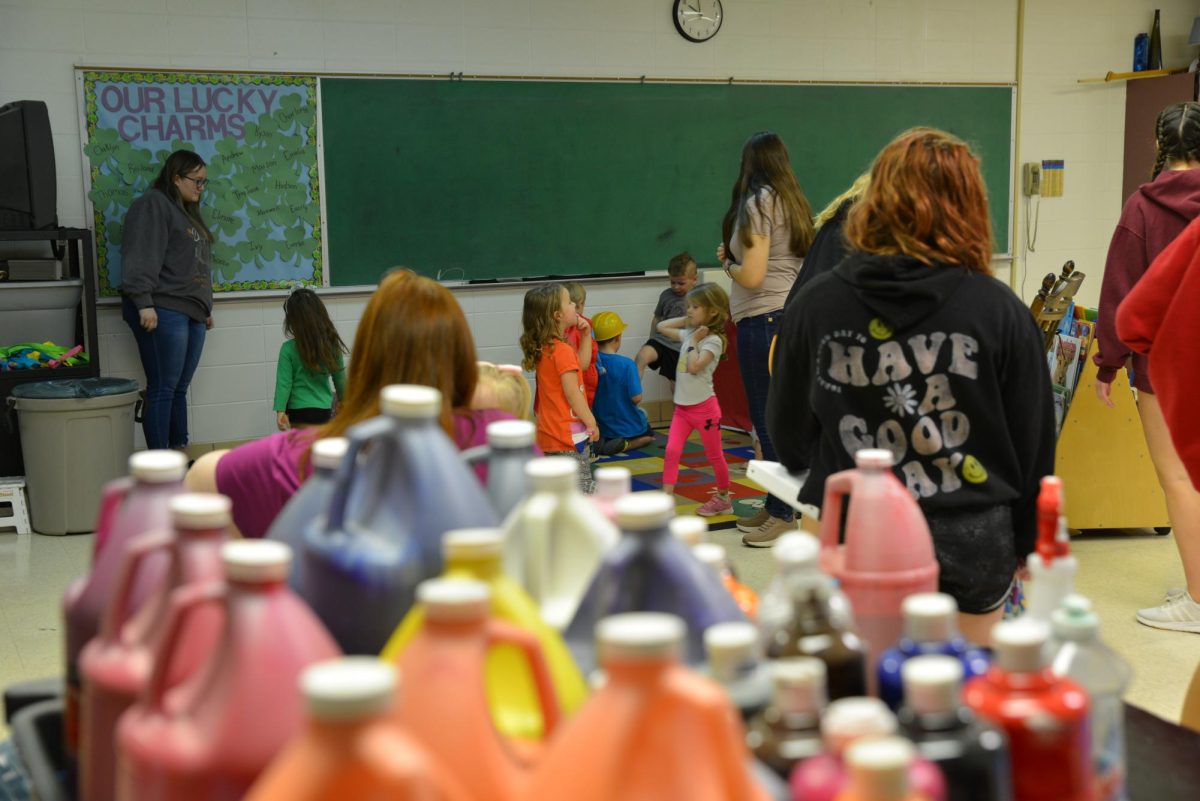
[
  {"x": 692, "y": 529},
  {"x": 799, "y": 684},
  {"x": 640, "y": 636},
  {"x": 644, "y": 511},
  {"x": 1074, "y": 619},
  {"x": 158, "y": 467},
  {"x": 878, "y": 768},
  {"x": 1018, "y": 644},
  {"x": 552, "y": 473},
  {"x": 613, "y": 482},
  {"x": 711, "y": 554},
  {"x": 510, "y": 433},
  {"x": 327, "y": 453},
  {"x": 411, "y": 401},
  {"x": 256, "y": 561},
  {"x": 797, "y": 548},
  {"x": 874, "y": 459},
  {"x": 454, "y": 599},
  {"x": 930, "y": 617},
  {"x": 730, "y": 647},
  {"x": 199, "y": 510},
  {"x": 348, "y": 689},
  {"x": 849, "y": 719},
  {"x": 932, "y": 683},
  {"x": 473, "y": 543}
]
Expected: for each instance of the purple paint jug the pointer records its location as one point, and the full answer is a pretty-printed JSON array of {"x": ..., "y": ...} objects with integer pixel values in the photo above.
[
  {"x": 930, "y": 627},
  {"x": 392, "y": 502},
  {"x": 650, "y": 570},
  {"x": 310, "y": 505}
]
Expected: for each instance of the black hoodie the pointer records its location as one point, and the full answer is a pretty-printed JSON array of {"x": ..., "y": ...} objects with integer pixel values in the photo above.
[{"x": 940, "y": 365}]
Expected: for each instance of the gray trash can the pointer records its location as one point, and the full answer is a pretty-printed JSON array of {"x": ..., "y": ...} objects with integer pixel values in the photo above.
[{"x": 77, "y": 436}]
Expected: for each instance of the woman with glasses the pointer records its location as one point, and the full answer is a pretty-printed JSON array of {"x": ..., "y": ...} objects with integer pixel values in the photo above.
[{"x": 166, "y": 291}]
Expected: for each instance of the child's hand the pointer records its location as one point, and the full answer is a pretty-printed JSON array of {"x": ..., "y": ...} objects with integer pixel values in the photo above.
[
  {"x": 585, "y": 328},
  {"x": 281, "y": 420},
  {"x": 593, "y": 432},
  {"x": 721, "y": 253},
  {"x": 700, "y": 333}
]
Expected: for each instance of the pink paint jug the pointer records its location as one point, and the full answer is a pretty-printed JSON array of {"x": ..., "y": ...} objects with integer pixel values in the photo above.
[
  {"x": 116, "y": 664},
  {"x": 888, "y": 551},
  {"x": 209, "y": 738}
]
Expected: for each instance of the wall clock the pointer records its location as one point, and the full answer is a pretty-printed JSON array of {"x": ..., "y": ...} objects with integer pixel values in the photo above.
[{"x": 698, "y": 20}]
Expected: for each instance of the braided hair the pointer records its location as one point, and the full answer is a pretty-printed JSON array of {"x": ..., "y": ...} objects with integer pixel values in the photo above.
[{"x": 1176, "y": 135}]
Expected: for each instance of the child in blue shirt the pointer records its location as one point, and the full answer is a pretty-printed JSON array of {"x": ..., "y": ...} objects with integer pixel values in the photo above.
[{"x": 623, "y": 425}]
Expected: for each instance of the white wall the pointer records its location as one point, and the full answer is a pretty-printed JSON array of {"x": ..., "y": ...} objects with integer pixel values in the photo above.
[{"x": 885, "y": 40}]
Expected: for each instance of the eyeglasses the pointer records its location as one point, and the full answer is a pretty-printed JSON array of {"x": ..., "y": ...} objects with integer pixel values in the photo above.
[{"x": 199, "y": 182}]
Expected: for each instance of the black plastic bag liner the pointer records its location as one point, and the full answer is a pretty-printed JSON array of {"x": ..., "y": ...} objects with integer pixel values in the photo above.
[{"x": 74, "y": 388}]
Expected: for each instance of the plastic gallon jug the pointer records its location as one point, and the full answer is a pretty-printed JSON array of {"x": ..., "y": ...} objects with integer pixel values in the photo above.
[
  {"x": 389, "y": 511},
  {"x": 612, "y": 483},
  {"x": 116, "y": 664},
  {"x": 792, "y": 553},
  {"x": 209, "y": 738},
  {"x": 788, "y": 731},
  {"x": 157, "y": 477},
  {"x": 555, "y": 538},
  {"x": 812, "y": 629},
  {"x": 714, "y": 556},
  {"x": 349, "y": 749},
  {"x": 879, "y": 771},
  {"x": 845, "y": 722},
  {"x": 111, "y": 498},
  {"x": 309, "y": 506},
  {"x": 447, "y": 711},
  {"x": 888, "y": 551},
  {"x": 650, "y": 570},
  {"x": 972, "y": 753},
  {"x": 1080, "y": 655},
  {"x": 1044, "y": 716},
  {"x": 930, "y": 627},
  {"x": 1051, "y": 567},
  {"x": 509, "y": 449},
  {"x": 692, "y": 529},
  {"x": 733, "y": 662},
  {"x": 476, "y": 554},
  {"x": 654, "y": 730}
]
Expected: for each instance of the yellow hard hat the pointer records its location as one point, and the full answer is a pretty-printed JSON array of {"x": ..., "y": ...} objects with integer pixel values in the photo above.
[{"x": 607, "y": 324}]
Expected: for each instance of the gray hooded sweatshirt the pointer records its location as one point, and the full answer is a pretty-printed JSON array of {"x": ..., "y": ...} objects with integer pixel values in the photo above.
[{"x": 165, "y": 258}]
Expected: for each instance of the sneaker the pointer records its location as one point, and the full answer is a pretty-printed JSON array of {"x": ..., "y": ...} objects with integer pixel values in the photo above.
[
  {"x": 716, "y": 505},
  {"x": 765, "y": 535},
  {"x": 1179, "y": 613},
  {"x": 1174, "y": 592},
  {"x": 748, "y": 524}
]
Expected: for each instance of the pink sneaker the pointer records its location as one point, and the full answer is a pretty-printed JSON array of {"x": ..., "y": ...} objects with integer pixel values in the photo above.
[{"x": 716, "y": 505}]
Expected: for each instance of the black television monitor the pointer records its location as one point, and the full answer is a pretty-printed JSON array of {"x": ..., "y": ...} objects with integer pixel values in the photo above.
[{"x": 28, "y": 192}]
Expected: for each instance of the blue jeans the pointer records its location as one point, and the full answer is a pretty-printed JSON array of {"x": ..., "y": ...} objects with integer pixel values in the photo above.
[
  {"x": 754, "y": 335},
  {"x": 169, "y": 356}
]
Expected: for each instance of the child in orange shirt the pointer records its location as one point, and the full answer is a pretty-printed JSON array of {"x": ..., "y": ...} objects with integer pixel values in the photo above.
[
  {"x": 559, "y": 400},
  {"x": 584, "y": 342}
]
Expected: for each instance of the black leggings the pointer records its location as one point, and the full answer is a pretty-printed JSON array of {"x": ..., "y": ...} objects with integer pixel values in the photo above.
[{"x": 309, "y": 417}]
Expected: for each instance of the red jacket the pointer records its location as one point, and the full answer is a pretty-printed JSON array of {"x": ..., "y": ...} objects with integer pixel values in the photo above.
[
  {"x": 1152, "y": 218},
  {"x": 1161, "y": 317}
]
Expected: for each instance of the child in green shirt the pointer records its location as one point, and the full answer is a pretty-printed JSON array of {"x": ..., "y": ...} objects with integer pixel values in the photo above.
[{"x": 307, "y": 362}]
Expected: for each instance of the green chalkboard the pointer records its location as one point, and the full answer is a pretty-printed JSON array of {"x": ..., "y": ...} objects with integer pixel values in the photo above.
[{"x": 510, "y": 179}]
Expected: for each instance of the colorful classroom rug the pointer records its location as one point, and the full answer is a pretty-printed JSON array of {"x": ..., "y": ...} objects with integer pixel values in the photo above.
[{"x": 695, "y": 474}]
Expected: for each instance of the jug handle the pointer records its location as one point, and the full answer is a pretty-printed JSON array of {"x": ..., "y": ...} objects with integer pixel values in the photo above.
[
  {"x": 475, "y": 455},
  {"x": 184, "y": 601},
  {"x": 500, "y": 632},
  {"x": 114, "y": 494},
  {"x": 837, "y": 486},
  {"x": 539, "y": 512},
  {"x": 118, "y": 612},
  {"x": 357, "y": 437}
]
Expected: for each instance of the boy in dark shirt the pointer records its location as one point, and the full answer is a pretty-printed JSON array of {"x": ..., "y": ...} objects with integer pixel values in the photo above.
[{"x": 659, "y": 352}]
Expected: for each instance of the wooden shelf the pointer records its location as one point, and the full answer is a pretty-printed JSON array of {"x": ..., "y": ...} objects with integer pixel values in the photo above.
[{"x": 1132, "y": 76}]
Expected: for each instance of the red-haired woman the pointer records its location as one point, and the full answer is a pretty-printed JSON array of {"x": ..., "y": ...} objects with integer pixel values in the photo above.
[
  {"x": 412, "y": 332},
  {"x": 910, "y": 345}
]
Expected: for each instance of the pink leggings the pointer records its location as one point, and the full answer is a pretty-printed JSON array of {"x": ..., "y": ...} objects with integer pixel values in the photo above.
[{"x": 704, "y": 417}]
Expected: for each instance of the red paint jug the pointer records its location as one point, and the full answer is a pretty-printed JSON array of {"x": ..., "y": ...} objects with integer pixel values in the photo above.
[
  {"x": 888, "y": 551},
  {"x": 447, "y": 710},
  {"x": 210, "y": 737},
  {"x": 116, "y": 665},
  {"x": 654, "y": 730},
  {"x": 157, "y": 477},
  {"x": 1045, "y": 716},
  {"x": 350, "y": 749}
]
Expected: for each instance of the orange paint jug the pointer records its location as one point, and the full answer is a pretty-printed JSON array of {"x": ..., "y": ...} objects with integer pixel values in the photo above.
[
  {"x": 655, "y": 730},
  {"x": 349, "y": 748}
]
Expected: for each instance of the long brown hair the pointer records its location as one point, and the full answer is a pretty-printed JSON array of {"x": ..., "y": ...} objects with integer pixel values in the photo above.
[
  {"x": 306, "y": 320},
  {"x": 412, "y": 332},
  {"x": 182, "y": 163},
  {"x": 766, "y": 165},
  {"x": 713, "y": 299},
  {"x": 539, "y": 326},
  {"x": 1176, "y": 135},
  {"x": 927, "y": 201}
]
